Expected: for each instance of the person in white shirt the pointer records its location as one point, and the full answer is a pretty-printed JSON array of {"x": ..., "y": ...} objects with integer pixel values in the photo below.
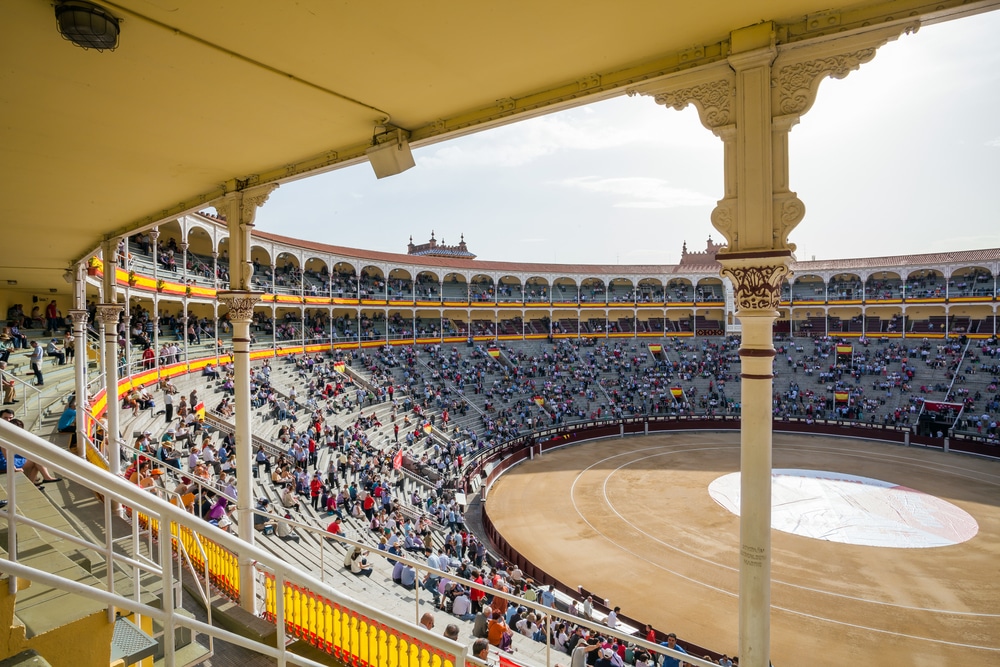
[
  {"x": 461, "y": 606},
  {"x": 612, "y": 621},
  {"x": 37, "y": 356}
]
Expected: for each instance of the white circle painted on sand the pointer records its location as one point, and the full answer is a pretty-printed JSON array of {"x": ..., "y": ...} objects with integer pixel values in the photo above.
[{"x": 854, "y": 510}]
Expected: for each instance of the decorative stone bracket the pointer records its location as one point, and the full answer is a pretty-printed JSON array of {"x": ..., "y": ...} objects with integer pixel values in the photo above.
[
  {"x": 751, "y": 102},
  {"x": 239, "y": 208}
]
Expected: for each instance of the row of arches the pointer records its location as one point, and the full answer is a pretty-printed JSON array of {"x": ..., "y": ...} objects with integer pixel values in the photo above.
[
  {"x": 357, "y": 280},
  {"x": 195, "y": 250},
  {"x": 923, "y": 283}
]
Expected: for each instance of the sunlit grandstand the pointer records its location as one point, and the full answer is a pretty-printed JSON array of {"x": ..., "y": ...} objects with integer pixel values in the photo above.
[{"x": 224, "y": 445}]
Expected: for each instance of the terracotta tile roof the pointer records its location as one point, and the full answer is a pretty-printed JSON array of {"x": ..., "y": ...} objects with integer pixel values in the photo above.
[
  {"x": 476, "y": 265},
  {"x": 970, "y": 257},
  {"x": 857, "y": 264}
]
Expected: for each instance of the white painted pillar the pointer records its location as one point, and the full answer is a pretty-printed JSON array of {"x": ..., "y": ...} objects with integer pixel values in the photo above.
[
  {"x": 239, "y": 209},
  {"x": 109, "y": 313},
  {"x": 80, "y": 316}
]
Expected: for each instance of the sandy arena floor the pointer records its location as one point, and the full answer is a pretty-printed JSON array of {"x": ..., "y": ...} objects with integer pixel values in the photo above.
[{"x": 632, "y": 520}]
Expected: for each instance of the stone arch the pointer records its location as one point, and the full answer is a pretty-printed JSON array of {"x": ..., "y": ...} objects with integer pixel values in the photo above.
[
  {"x": 509, "y": 289},
  {"x": 680, "y": 290},
  {"x": 372, "y": 283},
  {"x": 809, "y": 287},
  {"x": 925, "y": 283},
  {"x": 593, "y": 290},
  {"x": 428, "y": 286},
  {"x": 455, "y": 287},
  {"x": 344, "y": 281},
  {"x": 565, "y": 290},
  {"x": 536, "y": 290},
  {"x": 400, "y": 285},
  {"x": 650, "y": 290},
  {"x": 845, "y": 287},
  {"x": 710, "y": 290},
  {"x": 971, "y": 281},
  {"x": 482, "y": 288},
  {"x": 621, "y": 290},
  {"x": 317, "y": 276},
  {"x": 882, "y": 285}
]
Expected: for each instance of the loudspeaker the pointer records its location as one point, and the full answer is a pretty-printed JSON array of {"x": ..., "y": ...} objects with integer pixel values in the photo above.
[{"x": 391, "y": 158}]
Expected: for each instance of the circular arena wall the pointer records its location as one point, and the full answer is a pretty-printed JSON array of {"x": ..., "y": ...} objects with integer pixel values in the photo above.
[{"x": 632, "y": 520}]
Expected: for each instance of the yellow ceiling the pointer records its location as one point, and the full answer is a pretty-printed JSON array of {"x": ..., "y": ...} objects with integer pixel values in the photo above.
[{"x": 201, "y": 92}]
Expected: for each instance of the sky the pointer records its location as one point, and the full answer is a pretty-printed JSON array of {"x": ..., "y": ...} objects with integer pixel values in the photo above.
[{"x": 900, "y": 157}]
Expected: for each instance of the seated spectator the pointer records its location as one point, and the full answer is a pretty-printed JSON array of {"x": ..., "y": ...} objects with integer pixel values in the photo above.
[
  {"x": 285, "y": 531},
  {"x": 289, "y": 499},
  {"x": 500, "y": 634},
  {"x": 52, "y": 350},
  {"x": 262, "y": 523},
  {"x": 461, "y": 607},
  {"x": 480, "y": 626},
  {"x": 357, "y": 561}
]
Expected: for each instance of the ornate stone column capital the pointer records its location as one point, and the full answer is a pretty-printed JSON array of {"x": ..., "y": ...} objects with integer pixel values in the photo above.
[
  {"x": 79, "y": 316},
  {"x": 154, "y": 234},
  {"x": 109, "y": 313},
  {"x": 756, "y": 280},
  {"x": 240, "y": 304},
  {"x": 242, "y": 204}
]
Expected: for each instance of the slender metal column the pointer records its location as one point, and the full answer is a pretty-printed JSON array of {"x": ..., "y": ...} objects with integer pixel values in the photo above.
[
  {"x": 239, "y": 209},
  {"x": 109, "y": 314},
  {"x": 80, "y": 368},
  {"x": 757, "y": 280}
]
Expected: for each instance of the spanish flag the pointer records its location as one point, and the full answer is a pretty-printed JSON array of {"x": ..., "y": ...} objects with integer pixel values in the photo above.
[
  {"x": 845, "y": 349},
  {"x": 539, "y": 400},
  {"x": 655, "y": 348},
  {"x": 427, "y": 427},
  {"x": 493, "y": 352},
  {"x": 199, "y": 410},
  {"x": 397, "y": 460},
  {"x": 841, "y": 396},
  {"x": 677, "y": 392},
  {"x": 339, "y": 366}
]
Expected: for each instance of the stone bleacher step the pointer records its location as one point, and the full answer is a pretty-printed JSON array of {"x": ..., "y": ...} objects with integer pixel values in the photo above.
[{"x": 38, "y": 607}]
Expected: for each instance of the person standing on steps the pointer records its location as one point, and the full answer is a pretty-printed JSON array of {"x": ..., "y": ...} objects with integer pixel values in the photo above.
[{"x": 37, "y": 355}]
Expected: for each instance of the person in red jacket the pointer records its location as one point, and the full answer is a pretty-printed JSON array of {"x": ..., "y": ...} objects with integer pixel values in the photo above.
[{"x": 315, "y": 491}]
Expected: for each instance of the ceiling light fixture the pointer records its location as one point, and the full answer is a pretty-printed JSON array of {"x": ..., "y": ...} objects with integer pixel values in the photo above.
[
  {"x": 87, "y": 25},
  {"x": 390, "y": 151}
]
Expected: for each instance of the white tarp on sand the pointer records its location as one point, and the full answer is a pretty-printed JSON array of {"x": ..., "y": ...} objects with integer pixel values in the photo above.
[{"x": 854, "y": 510}]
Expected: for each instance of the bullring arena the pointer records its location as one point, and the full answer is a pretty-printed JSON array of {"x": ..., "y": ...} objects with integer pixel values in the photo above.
[
  {"x": 632, "y": 519},
  {"x": 233, "y": 439}
]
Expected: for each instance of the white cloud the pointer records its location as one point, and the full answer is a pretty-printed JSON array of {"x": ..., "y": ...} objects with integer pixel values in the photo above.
[
  {"x": 640, "y": 192},
  {"x": 609, "y": 125},
  {"x": 994, "y": 143}
]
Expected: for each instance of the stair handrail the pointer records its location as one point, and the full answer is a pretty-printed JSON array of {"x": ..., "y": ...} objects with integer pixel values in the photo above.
[
  {"x": 24, "y": 403},
  {"x": 116, "y": 489}
]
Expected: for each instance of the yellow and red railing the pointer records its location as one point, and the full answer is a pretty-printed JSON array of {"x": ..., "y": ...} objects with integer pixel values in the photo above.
[
  {"x": 350, "y": 636},
  {"x": 222, "y": 564}
]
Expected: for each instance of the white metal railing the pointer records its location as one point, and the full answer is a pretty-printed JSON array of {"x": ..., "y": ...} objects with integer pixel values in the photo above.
[
  {"x": 36, "y": 396},
  {"x": 160, "y": 560},
  {"x": 549, "y": 615}
]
